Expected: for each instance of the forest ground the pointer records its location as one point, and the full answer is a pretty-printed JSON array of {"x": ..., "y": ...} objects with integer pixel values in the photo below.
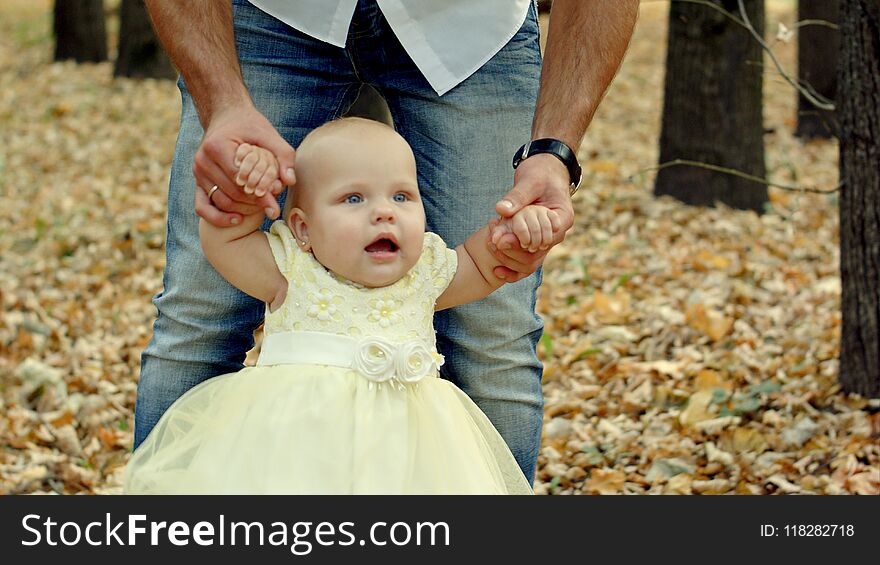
[{"x": 687, "y": 350}]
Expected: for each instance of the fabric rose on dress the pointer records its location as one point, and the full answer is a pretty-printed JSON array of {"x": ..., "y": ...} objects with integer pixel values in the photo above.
[
  {"x": 380, "y": 360},
  {"x": 413, "y": 362},
  {"x": 374, "y": 359}
]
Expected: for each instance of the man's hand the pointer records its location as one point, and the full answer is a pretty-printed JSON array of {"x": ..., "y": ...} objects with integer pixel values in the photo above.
[
  {"x": 215, "y": 164},
  {"x": 199, "y": 39},
  {"x": 543, "y": 180}
]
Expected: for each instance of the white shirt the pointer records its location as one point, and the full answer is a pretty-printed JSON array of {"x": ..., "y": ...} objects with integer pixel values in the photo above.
[{"x": 448, "y": 40}]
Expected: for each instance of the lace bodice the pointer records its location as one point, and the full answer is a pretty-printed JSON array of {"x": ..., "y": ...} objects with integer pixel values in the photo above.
[{"x": 321, "y": 301}]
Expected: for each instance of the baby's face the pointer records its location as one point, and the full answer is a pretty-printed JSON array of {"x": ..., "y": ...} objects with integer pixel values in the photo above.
[{"x": 360, "y": 208}]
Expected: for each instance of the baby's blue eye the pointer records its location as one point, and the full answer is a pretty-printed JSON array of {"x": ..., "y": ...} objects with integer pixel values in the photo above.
[
  {"x": 400, "y": 197},
  {"x": 354, "y": 199}
]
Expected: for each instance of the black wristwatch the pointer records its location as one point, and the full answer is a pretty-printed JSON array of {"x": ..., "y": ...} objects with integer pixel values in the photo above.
[{"x": 555, "y": 147}]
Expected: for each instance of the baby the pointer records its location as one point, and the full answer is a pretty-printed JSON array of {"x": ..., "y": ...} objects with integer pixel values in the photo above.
[{"x": 345, "y": 397}]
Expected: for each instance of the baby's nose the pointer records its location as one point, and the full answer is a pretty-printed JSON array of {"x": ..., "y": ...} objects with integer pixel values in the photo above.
[{"x": 383, "y": 213}]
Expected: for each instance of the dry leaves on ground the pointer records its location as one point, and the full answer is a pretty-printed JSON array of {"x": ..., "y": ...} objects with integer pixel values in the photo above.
[{"x": 687, "y": 350}]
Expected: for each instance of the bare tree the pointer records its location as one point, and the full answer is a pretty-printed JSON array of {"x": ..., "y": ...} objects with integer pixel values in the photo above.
[
  {"x": 79, "y": 30},
  {"x": 140, "y": 53},
  {"x": 712, "y": 108},
  {"x": 818, "y": 46},
  {"x": 859, "y": 83}
]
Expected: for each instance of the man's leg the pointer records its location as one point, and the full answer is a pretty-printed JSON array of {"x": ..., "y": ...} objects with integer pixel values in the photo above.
[
  {"x": 464, "y": 142},
  {"x": 205, "y": 326}
]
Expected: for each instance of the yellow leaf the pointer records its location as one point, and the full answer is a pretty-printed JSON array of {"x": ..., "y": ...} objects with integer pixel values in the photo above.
[
  {"x": 550, "y": 371},
  {"x": 612, "y": 309},
  {"x": 108, "y": 437},
  {"x": 866, "y": 483},
  {"x": 605, "y": 481},
  {"x": 61, "y": 109},
  {"x": 63, "y": 420},
  {"x": 602, "y": 166},
  {"x": 780, "y": 197},
  {"x": 697, "y": 409},
  {"x": 663, "y": 367},
  {"x": 746, "y": 439},
  {"x": 706, "y": 260},
  {"x": 707, "y": 379},
  {"x": 714, "y": 324},
  {"x": 679, "y": 484}
]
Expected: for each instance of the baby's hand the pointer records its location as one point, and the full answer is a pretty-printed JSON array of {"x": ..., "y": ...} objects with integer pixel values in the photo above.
[
  {"x": 257, "y": 170},
  {"x": 534, "y": 226}
]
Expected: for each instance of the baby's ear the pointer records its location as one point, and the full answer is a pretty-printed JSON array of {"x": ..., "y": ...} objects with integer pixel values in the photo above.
[{"x": 298, "y": 224}]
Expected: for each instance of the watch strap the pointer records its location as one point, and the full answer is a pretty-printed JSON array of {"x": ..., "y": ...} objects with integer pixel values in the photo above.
[{"x": 554, "y": 147}]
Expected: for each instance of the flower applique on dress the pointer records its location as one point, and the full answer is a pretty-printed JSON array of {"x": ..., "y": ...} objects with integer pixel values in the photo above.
[
  {"x": 325, "y": 305},
  {"x": 384, "y": 311}
]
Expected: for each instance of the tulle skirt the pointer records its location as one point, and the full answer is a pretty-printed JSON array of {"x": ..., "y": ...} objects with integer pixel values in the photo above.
[{"x": 309, "y": 429}]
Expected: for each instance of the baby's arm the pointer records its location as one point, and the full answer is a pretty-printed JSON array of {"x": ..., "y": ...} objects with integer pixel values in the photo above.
[
  {"x": 473, "y": 278},
  {"x": 241, "y": 254},
  {"x": 535, "y": 227}
]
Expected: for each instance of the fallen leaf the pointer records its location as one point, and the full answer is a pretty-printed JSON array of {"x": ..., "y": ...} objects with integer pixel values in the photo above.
[
  {"x": 698, "y": 408},
  {"x": 710, "y": 322},
  {"x": 708, "y": 379},
  {"x": 679, "y": 484},
  {"x": 867, "y": 482},
  {"x": 605, "y": 481}
]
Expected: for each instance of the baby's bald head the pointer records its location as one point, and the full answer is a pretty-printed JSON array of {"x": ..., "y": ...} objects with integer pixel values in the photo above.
[{"x": 338, "y": 141}]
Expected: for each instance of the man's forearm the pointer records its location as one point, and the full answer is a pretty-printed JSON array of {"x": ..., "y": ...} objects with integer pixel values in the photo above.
[
  {"x": 199, "y": 38},
  {"x": 585, "y": 46}
]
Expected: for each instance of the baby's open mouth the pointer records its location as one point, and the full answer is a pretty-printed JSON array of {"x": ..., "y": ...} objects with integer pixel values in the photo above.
[{"x": 383, "y": 245}]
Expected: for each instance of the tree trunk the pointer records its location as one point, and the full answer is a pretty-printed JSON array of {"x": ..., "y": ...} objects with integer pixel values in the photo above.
[
  {"x": 860, "y": 196},
  {"x": 818, "y": 46},
  {"x": 140, "y": 53},
  {"x": 712, "y": 108},
  {"x": 79, "y": 31}
]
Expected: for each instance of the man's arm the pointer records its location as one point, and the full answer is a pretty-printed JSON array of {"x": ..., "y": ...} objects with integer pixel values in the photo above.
[
  {"x": 199, "y": 39},
  {"x": 585, "y": 46}
]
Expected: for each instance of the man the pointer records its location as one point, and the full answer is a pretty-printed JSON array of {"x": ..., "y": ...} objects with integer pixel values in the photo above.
[{"x": 461, "y": 79}]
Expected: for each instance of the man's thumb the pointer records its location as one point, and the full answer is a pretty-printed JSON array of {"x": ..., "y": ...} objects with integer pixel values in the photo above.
[
  {"x": 286, "y": 158},
  {"x": 510, "y": 204}
]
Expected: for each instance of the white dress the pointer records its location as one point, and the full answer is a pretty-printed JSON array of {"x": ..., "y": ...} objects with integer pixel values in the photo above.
[{"x": 345, "y": 399}]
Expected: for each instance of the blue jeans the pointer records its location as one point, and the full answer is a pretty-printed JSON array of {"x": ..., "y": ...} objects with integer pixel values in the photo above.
[{"x": 463, "y": 143}]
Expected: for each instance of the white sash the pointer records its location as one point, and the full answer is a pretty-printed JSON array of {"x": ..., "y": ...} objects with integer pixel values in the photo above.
[{"x": 376, "y": 358}]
